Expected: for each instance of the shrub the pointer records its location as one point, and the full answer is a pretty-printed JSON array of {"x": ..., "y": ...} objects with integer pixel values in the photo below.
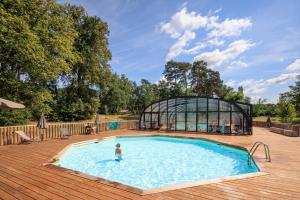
[
  {"x": 14, "y": 117},
  {"x": 286, "y": 110}
]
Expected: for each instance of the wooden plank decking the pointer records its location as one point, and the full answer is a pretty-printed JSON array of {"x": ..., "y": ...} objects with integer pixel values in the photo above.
[{"x": 22, "y": 175}]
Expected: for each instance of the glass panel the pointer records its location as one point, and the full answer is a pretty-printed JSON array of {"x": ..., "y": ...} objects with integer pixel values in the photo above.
[
  {"x": 147, "y": 125},
  {"x": 154, "y": 120},
  {"x": 180, "y": 121},
  {"x": 202, "y": 104},
  {"x": 192, "y": 105},
  {"x": 147, "y": 117},
  {"x": 202, "y": 121},
  {"x": 212, "y": 121},
  {"x": 246, "y": 108},
  {"x": 171, "y": 103},
  {"x": 224, "y": 126},
  {"x": 213, "y": 105},
  {"x": 191, "y": 121},
  {"x": 148, "y": 109},
  {"x": 224, "y": 106},
  {"x": 237, "y": 123},
  {"x": 163, "y": 106},
  {"x": 155, "y": 107},
  {"x": 163, "y": 121},
  {"x": 172, "y": 121},
  {"x": 247, "y": 128},
  {"x": 142, "y": 123}
]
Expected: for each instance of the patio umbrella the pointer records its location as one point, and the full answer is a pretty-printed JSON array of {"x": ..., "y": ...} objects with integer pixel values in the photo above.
[
  {"x": 42, "y": 123},
  {"x": 97, "y": 121},
  {"x": 6, "y": 104}
]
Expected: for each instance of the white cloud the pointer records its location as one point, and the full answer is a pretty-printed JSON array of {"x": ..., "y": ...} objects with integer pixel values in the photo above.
[
  {"x": 246, "y": 82},
  {"x": 218, "y": 10},
  {"x": 196, "y": 48},
  {"x": 183, "y": 26},
  {"x": 230, "y": 83},
  {"x": 183, "y": 21},
  {"x": 239, "y": 63},
  {"x": 294, "y": 66},
  {"x": 283, "y": 78},
  {"x": 253, "y": 87},
  {"x": 229, "y": 27},
  {"x": 235, "y": 65},
  {"x": 217, "y": 57},
  {"x": 177, "y": 48},
  {"x": 215, "y": 42}
]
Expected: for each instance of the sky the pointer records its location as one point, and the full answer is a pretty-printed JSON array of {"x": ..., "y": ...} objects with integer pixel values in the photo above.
[{"x": 254, "y": 44}]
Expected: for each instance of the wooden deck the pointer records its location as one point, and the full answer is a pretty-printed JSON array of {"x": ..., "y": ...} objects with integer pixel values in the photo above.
[{"x": 22, "y": 175}]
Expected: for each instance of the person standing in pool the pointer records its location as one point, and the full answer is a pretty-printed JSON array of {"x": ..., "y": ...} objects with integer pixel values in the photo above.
[{"x": 118, "y": 152}]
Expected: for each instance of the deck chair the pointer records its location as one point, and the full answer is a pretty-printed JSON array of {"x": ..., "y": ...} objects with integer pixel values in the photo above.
[
  {"x": 64, "y": 133},
  {"x": 23, "y": 136}
]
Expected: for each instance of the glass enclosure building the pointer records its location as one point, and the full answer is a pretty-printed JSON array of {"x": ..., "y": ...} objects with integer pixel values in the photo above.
[{"x": 198, "y": 114}]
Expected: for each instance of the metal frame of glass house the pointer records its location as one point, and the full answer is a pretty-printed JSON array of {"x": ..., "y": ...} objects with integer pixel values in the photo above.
[{"x": 198, "y": 114}]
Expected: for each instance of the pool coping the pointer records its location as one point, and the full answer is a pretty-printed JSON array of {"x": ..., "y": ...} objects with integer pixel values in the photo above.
[{"x": 51, "y": 164}]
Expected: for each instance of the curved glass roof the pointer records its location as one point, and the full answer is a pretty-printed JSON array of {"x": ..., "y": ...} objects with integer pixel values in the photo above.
[{"x": 200, "y": 114}]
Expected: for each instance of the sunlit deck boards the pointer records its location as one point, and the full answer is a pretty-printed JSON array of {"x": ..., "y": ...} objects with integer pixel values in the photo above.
[{"x": 22, "y": 175}]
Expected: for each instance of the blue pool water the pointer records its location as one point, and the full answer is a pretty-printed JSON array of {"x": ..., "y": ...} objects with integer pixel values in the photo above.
[{"x": 150, "y": 162}]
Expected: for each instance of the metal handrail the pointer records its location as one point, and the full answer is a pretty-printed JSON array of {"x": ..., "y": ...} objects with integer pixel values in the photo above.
[{"x": 254, "y": 148}]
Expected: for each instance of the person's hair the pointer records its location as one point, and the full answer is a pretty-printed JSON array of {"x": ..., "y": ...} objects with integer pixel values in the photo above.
[{"x": 118, "y": 145}]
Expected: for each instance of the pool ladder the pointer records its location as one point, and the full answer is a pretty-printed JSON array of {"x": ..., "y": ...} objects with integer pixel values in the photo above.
[{"x": 254, "y": 148}]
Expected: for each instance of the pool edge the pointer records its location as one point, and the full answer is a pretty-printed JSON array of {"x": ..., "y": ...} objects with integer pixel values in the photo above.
[{"x": 51, "y": 164}]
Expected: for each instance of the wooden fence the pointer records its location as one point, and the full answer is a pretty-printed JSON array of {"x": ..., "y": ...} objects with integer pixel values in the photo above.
[{"x": 8, "y": 135}]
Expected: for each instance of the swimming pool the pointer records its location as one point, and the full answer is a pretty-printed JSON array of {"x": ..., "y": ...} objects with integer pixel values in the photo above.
[{"x": 156, "y": 161}]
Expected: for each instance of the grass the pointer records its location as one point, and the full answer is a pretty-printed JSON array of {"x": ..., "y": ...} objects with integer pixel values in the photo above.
[
  {"x": 274, "y": 119},
  {"x": 102, "y": 118},
  {"x": 118, "y": 117}
]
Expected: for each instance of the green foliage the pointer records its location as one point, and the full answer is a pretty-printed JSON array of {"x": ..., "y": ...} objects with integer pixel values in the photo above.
[
  {"x": 293, "y": 95},
  {"x": 12, "y": 117},
  {"x": 54, "y": 59},
  {"x": 45, "y": 45},
  {"x": 176, "y": 75},
  {"x": 204, "y": 81},
  {"x": 163, "y": 89},
  {"x": 285, "y": 110},
  {"x": 36, "y": 39},
  {"x": 235, "y": 96},
  {"x": 261, "y": 108},
  {"x": 117, "y": 96}
]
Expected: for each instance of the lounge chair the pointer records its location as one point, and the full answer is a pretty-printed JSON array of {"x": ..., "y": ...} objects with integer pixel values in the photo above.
[
  {"x": 64, "y": 133},
  {"x": 23, "y": 136}
]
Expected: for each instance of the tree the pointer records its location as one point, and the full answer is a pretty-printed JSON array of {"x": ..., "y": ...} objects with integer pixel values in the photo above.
[
  {"x": 176, "y": 75},
  {"x": 36, "y": 46},
  {"x": 163, "y": 89},
  {"x": 293, "y": 95},
  {"x": 235, "y": 96},
  {"x": 261, "y": 108},
  {"x": 53, "y": 57},
  {"x": 85, "y": 79},
  {"x": 118, "y": 96},
  {"x": 285, "y": 110},
  {"x": 204, "y": 81},
  {"x": 142, "y": 96}
]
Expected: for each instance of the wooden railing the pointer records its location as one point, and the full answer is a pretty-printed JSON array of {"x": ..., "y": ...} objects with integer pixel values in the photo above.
[{"x": 8, "y": 135}]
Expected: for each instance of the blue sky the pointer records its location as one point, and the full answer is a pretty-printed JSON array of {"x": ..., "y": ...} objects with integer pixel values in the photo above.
[{"x": 255, "y": 44}]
